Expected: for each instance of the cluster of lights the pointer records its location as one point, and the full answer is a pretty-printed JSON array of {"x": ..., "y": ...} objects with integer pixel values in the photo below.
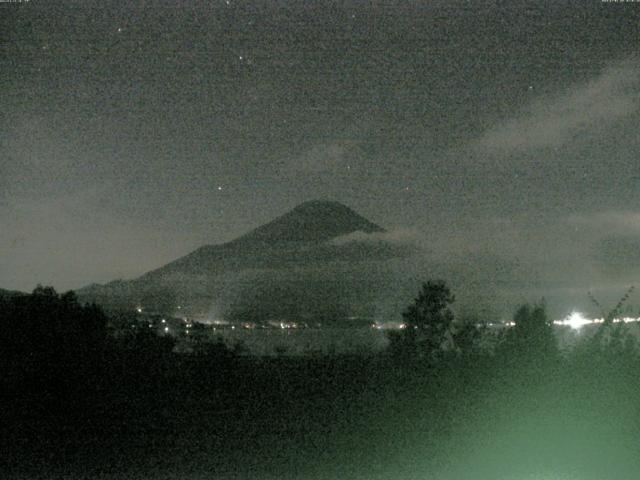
[
  {"x": 288, "y": 325},
  {"x": 575, "y": 320},
  {"x": 388, "y": 326}
]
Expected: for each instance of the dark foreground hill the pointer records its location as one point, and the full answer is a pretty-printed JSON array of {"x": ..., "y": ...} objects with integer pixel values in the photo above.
[{"x": 318, "y": 260}]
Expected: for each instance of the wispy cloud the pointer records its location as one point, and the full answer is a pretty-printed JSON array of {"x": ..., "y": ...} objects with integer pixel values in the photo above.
[
  {"x": 336, "y": 151},
  {"x": 402, "y": 236},
  {"x": 609, "y": 222},
  {"x": 611, "y": 240},
  {"x": 325, "y": 156},
  {"x": 600, "y": 103}
]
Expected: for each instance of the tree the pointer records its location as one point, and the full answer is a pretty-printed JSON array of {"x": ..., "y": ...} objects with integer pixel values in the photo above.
[
  {"x": 427, "y": 323},
  {"x": 47, "y": 330},
  {"x": 532, "y": 335},
  {"x": 467, "y": 337},
  {"x": 612, "y": 337}
]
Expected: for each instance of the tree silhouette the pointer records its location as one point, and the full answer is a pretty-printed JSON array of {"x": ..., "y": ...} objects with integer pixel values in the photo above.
[
  {"x": 427, "y": 323},
  {"x": 612, "y": 336},
  {"x": 467, "y": 337},
  {"x": 46, "y": 334},
  {"x": 531, "y": 339}
]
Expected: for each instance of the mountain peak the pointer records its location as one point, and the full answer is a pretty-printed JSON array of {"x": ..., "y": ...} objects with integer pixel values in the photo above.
[
  {"x": 312, "y": 221},
  {"x": 321, "y": 204}
]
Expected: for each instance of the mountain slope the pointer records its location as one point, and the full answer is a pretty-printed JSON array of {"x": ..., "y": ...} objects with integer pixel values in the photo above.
[
  {"x": 294, "y": 258},
  {"x": 301, "y": 236},
  {"x": 313, "y": 221}
]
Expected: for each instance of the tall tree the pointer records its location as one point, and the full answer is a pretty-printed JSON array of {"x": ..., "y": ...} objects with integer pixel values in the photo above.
[
  {"x": 427, "y": 323},
  {"x": 532, "y": 335}
]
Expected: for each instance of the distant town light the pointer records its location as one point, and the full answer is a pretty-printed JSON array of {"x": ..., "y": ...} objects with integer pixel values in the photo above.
[
  {"x": 166, "y": 329},
  {"x": 576, "y": 320}
]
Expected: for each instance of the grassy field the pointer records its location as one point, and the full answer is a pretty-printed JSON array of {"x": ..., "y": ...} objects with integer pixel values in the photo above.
[{"x": 352, "y": 417}]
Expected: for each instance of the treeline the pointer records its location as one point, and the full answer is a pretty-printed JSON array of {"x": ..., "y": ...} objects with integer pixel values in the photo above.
[
  {"x": 46, "y": 336},
  {"x": 431, "y": 335},
  {"x": 58, "y": 358}
]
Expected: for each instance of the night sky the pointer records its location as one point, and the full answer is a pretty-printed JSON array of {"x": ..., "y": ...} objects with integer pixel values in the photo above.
[{"x": 133, "y": 132}]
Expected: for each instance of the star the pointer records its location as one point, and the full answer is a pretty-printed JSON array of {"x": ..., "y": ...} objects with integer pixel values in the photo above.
[{"x": 219, "y": 188}]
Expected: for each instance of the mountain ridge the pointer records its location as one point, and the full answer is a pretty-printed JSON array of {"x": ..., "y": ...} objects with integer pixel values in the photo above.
[
  {"x": 293, "y": 256},
  {"x": 311, "y": 221},
  {"x": 299, "y": 235}
]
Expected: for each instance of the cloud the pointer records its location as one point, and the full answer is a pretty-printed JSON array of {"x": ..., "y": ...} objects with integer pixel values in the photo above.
[
  {"x": 598, "y": 104},
  {"x": 618, "y": 256},
  {"x": 324, "y": 157},
  {"x": 607, "y": 223},
  {"x": 405, "y": 237},
  {"x": 614, "y": 242},
  {"x": 336, "y": 150}
]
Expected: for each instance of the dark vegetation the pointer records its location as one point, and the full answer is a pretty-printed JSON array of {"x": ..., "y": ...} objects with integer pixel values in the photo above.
[{"x": 81, "y": 402}]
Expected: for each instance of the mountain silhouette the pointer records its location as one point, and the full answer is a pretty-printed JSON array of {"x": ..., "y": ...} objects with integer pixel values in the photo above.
[
  {"x": 313, "y": 221},
  {"x": 309, "y": 254}
]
